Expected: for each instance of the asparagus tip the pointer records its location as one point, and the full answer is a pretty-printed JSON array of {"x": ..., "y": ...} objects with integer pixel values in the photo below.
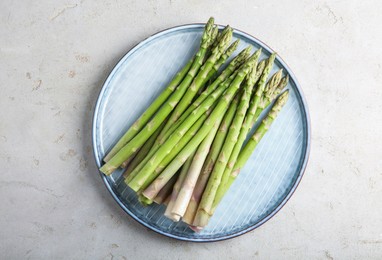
[{"x": 283, "y": 96}]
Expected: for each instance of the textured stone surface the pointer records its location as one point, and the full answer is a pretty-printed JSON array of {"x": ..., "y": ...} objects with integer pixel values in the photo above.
[{"x": 54, "y": 57}]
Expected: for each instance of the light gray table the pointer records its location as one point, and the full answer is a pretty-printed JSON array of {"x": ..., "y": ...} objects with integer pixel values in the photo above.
[{"x": 54, "y": 57}]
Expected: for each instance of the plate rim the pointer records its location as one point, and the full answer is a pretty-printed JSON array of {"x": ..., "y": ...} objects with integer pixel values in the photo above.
[{"x": 218, "y": 238}]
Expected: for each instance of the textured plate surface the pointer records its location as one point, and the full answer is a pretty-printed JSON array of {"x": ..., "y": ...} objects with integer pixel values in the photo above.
[{"x": 264, "y": 184}]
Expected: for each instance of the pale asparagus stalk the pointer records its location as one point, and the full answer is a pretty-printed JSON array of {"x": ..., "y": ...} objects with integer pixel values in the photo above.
[
  {"x": 166, "y": 190},
  {"x": 183, "y": 173}
]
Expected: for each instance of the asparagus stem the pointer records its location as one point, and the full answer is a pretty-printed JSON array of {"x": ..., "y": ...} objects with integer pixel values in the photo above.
[
  {"x": 216, "y": 116},
  {"x": 199, "y": 80},
  {"x": 166, "y": 201},
  {"x": 166, "y": 147},
  {"x": 183, "y": 173},
  {"x": 181, "y": 203},
  {"x": 126, "y": 162},
  {"x": 166, "y": 191},
  {"x": 135, "y": 143},
  {"x": 139, "y": 155},
  {"x": 245, "y": 128},
  {"x": 204, "y": 209},
  {"x": 143, "y": 152},
  {"x": 209, "y": 163},
  {"x": 198, "y": 159}
]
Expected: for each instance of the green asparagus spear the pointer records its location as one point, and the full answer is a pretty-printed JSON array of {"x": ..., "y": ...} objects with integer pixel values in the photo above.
[
  {"x": 214, "y": 36},
  {"x": 251, "y": 145},
  {"x": 269, "y": 95}
]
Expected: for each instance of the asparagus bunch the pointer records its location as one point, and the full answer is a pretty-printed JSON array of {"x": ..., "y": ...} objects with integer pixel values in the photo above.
[{"x": 187, "y": 147}]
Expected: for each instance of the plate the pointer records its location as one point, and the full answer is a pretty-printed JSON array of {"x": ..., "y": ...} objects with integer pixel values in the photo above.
[{"x": 265, "y": 183}]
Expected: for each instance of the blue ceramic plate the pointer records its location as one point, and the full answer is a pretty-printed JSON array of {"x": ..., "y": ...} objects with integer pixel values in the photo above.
[{"x": 264, "y": 184}]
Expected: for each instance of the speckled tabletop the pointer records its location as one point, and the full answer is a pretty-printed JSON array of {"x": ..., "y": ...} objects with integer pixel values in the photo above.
[{"x": 54, "y": 57}]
